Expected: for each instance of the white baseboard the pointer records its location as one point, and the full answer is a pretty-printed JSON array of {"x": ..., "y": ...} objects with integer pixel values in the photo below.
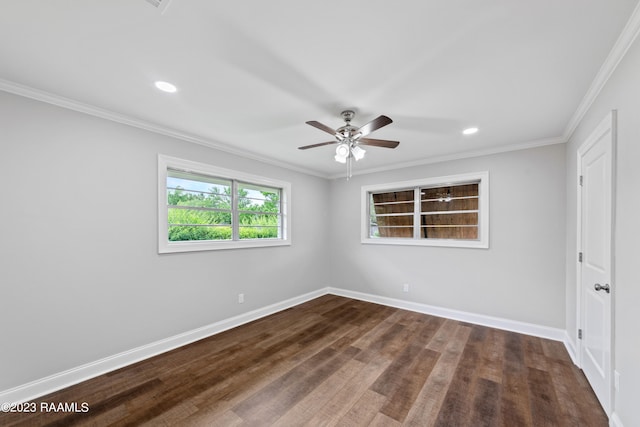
[
  {"x": 478, "y": 319},
  {"x": 87, "y": 371},
  {"x": 614, "y": 420},
  {"x": 41, "y": 387},
  {"x": 571, "y": 348}
]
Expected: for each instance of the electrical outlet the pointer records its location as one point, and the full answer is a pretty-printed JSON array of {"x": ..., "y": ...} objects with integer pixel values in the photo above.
[
  {"x": 616, "y": 380},
  {"x": 405, "y": 287},
  {"x": 240, "y": 298}
]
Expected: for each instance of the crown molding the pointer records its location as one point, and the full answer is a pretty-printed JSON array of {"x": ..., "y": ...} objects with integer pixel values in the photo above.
[
  {"x": 617, "y": 53},
  {"x": 71, "y": 104},
  {"x": 61, "y": 101},
  {"x": 628, "y": 35},
  {"x": 623, "y": 43},
  {"x": 459, "y": 156}
]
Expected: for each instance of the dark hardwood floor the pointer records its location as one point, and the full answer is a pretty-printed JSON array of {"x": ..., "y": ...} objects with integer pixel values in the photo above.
[{"x": 337, "y": 361}]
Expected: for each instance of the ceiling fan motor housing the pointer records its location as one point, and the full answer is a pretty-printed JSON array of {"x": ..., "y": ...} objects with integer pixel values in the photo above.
[
  {"x": 348, "y": 115},
  {"x": 347, "y": 131}
]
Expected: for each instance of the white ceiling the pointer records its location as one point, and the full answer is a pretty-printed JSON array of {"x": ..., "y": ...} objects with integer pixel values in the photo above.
[{"x": 251, "y": 73}]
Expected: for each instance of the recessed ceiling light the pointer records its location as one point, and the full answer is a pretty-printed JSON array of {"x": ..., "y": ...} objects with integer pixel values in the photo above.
[
  {"x": 470, "y": 131},
  {"x": 166, "y": 86}
]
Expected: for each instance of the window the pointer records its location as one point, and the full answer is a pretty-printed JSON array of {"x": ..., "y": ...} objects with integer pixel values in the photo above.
[
  {"x": 444, "y": 211},
  {"x": 202, "y": 207}
]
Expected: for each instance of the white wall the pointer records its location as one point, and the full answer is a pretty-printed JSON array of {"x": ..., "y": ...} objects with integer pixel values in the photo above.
[
  {"x": 520, "y": 277},
  {"x": 81, "y": 278},
  {"x": 622, "y": 92}
]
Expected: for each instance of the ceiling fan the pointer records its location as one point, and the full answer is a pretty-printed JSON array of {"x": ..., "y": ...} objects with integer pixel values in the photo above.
[{"x": 350, "y": 138}]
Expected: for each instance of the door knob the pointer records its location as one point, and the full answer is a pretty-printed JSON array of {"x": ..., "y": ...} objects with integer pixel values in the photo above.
[{"x": 599, "y": 287}]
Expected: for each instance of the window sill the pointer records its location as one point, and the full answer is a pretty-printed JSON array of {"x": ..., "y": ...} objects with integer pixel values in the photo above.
[
  {"x": 449, "y": 243},
  {"x": 191, "y": 246}
]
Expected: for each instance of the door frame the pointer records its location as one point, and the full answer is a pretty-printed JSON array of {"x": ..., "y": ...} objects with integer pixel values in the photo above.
[{"x": 608, "y": 124}]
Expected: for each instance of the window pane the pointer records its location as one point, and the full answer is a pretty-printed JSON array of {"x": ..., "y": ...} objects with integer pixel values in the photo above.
[
  {"x": 450, "y": 219},
  {"x": 393, "y": 202},
  {"x": 449, "y": 212},
  {"x": 189, "y": 189},
  {"x": 403, "y": 227},
  {"x": 259, "y": 232},
  {"x": 199, "y": 232},
  {"x": 259, "y": 226},
  {"x": 453, "y": 205},
  {"x": 457, "y": 190},
  {"x": 449, "y": 232},
  {"x": 392, "y": 214},
  {"x": 198, "y": 224},
  {"x": 198, "y": 216},
  {"x": 180, "y": 197},
  {"x": 211, "y": 196},
  {"x": 259, "y": 212},
  {"x": 196, "y": 181},
  {"x": 257, "y": 198}
]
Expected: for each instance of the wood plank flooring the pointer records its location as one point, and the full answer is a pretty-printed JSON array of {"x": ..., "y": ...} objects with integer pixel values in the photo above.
[{"x": 334, "y": 361}]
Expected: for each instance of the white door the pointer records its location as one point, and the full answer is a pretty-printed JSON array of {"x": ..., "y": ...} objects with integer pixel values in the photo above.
[{"x": 595, "y": 205}]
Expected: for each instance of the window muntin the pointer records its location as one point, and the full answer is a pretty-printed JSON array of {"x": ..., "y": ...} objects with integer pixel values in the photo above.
[
  {"x": 445, "y": 211},
  {"x": 202, "y": 207}
]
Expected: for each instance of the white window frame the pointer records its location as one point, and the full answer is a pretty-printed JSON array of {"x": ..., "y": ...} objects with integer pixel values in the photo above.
[
  {"x": 165, "y": 246},
  {"x": 441, "y": 181}
]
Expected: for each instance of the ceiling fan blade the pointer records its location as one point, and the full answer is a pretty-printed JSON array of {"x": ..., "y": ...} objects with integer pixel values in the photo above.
[
  {"x": 378, "y": 142},
  {"x": 317, "y": 145},
  {"x": 374, "y": 124},
  {"x": 320, "y": 126}
]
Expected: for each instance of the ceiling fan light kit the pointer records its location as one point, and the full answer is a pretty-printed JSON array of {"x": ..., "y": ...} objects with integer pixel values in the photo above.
[
  {"x": 357, "y": 152},
  {"x": 350, "y": 138},
  {"x": 342, "y": 152}
]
